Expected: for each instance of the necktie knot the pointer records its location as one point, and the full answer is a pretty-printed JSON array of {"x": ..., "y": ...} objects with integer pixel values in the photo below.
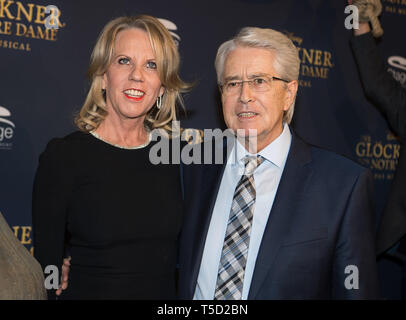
[{"x": 251, "y": 163}]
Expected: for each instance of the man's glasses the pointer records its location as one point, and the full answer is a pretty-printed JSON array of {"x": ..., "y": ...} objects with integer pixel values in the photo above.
[{"x": 257, "y": 84}]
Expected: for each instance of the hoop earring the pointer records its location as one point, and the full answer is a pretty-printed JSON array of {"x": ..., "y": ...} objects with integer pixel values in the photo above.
[{"x": 159, "y": 102}]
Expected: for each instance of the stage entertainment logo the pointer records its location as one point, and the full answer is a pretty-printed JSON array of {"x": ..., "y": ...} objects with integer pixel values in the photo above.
[
  {"x": 380, "y": 156},
  {"x": 314, "y": 63},
  {"x": 398, "y": 69},
  {"x": 171, "y": 28},
  {"x": 22, "y": 21},
  {"x": 7, "y": 128},
  {"x": 397, "y": 7}
]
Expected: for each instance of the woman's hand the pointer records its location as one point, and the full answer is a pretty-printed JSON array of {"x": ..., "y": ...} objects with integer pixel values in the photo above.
[{"x": 64, "y": 276}]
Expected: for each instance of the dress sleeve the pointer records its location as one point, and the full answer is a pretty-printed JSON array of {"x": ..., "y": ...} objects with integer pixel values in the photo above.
[
  {"x": 52, "y": 189},
  {"x": 379, "y": 85}
]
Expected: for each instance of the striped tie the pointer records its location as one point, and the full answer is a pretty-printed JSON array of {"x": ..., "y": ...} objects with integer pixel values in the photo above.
[{"x": 235, "y": 249}]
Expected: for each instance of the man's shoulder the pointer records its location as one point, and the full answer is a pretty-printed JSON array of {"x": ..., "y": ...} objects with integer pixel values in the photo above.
[
  {"x": 335, "y": 163},
  {"x": 325, "y": 158}
]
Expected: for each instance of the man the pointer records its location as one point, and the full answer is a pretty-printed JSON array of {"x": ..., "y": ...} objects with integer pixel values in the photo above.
[{"x": 298, "y": 224}]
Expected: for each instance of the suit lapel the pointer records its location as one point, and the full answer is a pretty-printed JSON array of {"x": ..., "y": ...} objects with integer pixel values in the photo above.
[{"x": 292, "y": 187}]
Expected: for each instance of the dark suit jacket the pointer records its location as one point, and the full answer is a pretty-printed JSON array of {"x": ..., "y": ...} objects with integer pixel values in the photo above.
[
  {"x": 390, "y": 98},
  {"x": 321, "y": 222}
]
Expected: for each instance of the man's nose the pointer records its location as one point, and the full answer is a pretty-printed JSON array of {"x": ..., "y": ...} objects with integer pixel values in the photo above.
[{"x": 246, "y": 92}]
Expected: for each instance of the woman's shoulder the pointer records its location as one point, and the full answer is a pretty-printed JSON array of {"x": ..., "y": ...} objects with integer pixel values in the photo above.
[{"x": 71, "y": 138}]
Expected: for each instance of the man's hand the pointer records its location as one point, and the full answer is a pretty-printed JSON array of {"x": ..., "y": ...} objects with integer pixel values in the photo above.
[{"x": 64, "y": 276}]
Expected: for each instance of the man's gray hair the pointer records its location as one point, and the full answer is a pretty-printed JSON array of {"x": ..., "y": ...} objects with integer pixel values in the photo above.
[{"x": 286, "y": 64}]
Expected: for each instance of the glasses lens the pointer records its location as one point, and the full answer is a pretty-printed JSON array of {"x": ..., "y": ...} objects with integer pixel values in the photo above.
[{"x": 260, "y": 84}]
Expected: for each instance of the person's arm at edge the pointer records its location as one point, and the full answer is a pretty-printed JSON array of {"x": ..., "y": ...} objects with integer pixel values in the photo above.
[{"x": 379, "y": 85}]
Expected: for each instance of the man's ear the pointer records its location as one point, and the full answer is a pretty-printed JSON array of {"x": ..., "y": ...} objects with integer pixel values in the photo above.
[{"x": 290, "y": 93}]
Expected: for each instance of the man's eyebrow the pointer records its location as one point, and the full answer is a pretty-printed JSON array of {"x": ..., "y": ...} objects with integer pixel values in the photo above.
[
  {"x": 252, "y": 76},
  {"x": 258, "y": 75},
  {"x": 231, "y": 78}
]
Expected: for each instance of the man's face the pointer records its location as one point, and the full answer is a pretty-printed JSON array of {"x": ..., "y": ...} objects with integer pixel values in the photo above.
[{"x": 247, "y": 108}]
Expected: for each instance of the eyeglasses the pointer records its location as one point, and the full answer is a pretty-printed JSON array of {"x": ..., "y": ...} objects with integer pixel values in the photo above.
[{"x": 257, "y": 84}]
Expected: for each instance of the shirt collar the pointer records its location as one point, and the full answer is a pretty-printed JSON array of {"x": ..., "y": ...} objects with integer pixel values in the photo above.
[{"x": 275, "y": 152}]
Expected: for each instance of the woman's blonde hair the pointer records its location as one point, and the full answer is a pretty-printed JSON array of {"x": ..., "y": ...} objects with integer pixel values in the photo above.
[{"x": 94, "y": 110}]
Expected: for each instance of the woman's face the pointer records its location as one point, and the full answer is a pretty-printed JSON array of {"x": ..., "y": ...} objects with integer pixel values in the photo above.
[{"x": 131, "y": 81}]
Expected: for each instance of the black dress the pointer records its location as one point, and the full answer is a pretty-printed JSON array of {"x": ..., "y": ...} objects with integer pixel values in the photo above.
[{"x": 116, "y": 213}]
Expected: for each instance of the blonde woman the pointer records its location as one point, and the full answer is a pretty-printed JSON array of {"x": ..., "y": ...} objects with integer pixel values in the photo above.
[{"x": 96, "y": 193}]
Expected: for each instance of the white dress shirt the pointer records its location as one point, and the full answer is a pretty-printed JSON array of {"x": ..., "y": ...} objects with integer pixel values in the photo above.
[{"x": 267, "y": 177}]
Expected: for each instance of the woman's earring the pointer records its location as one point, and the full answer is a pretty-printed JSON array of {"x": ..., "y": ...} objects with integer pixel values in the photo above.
[{"x": 159, "y": 102}]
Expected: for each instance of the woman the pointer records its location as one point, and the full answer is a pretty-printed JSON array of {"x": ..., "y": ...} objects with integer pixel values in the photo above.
[{"x": 96, "y": 194}]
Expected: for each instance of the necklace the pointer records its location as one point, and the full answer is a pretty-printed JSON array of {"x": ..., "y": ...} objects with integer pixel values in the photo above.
[{"x": 94, "y": 134}]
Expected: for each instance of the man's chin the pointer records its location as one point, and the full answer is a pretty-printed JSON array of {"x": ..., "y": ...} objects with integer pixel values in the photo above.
[{"x": 246, "y": 133}]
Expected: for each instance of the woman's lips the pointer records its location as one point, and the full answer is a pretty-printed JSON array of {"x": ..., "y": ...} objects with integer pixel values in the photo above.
[
  {"x": 134, "y": 94},
  {"x": 134, "y": 98}
]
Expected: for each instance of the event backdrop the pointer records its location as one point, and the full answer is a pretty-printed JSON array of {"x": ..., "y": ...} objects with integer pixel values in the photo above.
[{"x": 43, "y": 82}]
